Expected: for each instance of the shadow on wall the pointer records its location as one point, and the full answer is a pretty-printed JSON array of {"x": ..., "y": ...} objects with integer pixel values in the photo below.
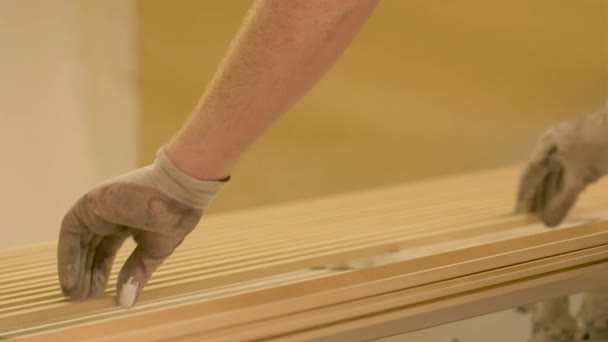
[{"x": 428, "y": 88}]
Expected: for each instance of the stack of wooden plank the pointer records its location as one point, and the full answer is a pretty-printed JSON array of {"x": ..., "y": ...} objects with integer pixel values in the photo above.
[{"x": 259, "y": 274}]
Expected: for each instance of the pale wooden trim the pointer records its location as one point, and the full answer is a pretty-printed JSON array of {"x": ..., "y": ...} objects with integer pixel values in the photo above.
[
  {"x": 352, "y": 286},
  {"x": 451, "y": 229},
  {"x": 459, "y": 306}
]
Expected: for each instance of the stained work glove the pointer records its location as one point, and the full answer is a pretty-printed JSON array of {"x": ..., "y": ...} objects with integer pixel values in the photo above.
[
  {"x": 157, "y": 205},
  {"x": 568, "y": 157}
]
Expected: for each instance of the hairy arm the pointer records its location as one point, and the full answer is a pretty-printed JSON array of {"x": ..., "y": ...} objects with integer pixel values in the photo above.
[
  {"x": 283, "y": 48},
  {"x": 280, "y": 52}
]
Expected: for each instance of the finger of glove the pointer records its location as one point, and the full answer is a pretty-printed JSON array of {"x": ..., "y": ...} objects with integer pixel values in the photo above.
[
  {"x": 533, "y": 178},
  {"x": 135, "y": 274},
  {"x": 152, "y": 250},
  {"x": 530, "y": 185},
  {"x": 102, "y": 262},
  {"x": 74, "y": 252},
  {"x": 549, "y": 187},
  {"x": 560, "y": 204},
  {"x": 83, "y": 282}
]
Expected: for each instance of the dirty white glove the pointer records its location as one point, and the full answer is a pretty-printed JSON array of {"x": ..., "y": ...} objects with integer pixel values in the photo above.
[
  {"x": 568, "y": 157},
  {"x": 157, "y": 205}
]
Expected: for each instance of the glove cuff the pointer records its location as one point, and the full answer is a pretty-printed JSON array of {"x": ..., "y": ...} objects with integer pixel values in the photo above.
[{"x": 178, "y": 185}]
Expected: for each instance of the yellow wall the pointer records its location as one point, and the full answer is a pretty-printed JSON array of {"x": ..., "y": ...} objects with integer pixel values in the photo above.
[{"x": 429, "y": 87}]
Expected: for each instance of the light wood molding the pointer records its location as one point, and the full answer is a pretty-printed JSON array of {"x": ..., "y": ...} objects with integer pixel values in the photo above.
[{"x": 257, "y": 275}]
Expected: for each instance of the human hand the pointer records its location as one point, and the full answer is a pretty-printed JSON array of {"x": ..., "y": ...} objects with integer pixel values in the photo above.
[
  {"x": 157, "y": 205},
  {"x": 569, "y": 156}
]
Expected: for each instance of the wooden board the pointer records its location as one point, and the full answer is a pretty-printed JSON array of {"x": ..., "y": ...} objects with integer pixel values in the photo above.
[{"x": 250, "y": 273}]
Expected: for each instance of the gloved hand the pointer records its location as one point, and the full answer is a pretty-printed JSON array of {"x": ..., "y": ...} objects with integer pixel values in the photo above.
[
  {"x": 568, "y": 157},
  {"x": 157, "y": 205}
]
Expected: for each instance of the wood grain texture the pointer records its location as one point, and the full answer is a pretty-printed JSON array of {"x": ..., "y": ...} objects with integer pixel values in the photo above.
[{"x": 257, "y": 274}]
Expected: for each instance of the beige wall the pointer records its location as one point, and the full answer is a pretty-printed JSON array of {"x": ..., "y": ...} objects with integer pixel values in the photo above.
[
  {"x": 106, "y": 51},
  {"x": 67, "y": 118},
  {"x": 429, "y": 87}
]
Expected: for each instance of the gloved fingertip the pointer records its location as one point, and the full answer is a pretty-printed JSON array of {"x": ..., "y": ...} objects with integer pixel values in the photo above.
[
  {"x": 98, "y": 283},
  {"x": 552, "y": 218},
  {"x": 68, "y": 277},
  {"x": 128, "y": 293},
  {"x": 559, "y": 206}
]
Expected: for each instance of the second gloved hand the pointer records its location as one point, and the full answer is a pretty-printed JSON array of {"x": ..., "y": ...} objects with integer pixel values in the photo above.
[
  {"x": 157, "y": 205},
  {"x": 568, "y": 157}
]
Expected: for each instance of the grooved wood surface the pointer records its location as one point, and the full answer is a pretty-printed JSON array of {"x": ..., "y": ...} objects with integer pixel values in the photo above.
[{"x": 242, "y": 268}]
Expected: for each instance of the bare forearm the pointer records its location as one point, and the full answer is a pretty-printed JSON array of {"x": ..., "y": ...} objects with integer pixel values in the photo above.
[{"x": 283, "y": 48}]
